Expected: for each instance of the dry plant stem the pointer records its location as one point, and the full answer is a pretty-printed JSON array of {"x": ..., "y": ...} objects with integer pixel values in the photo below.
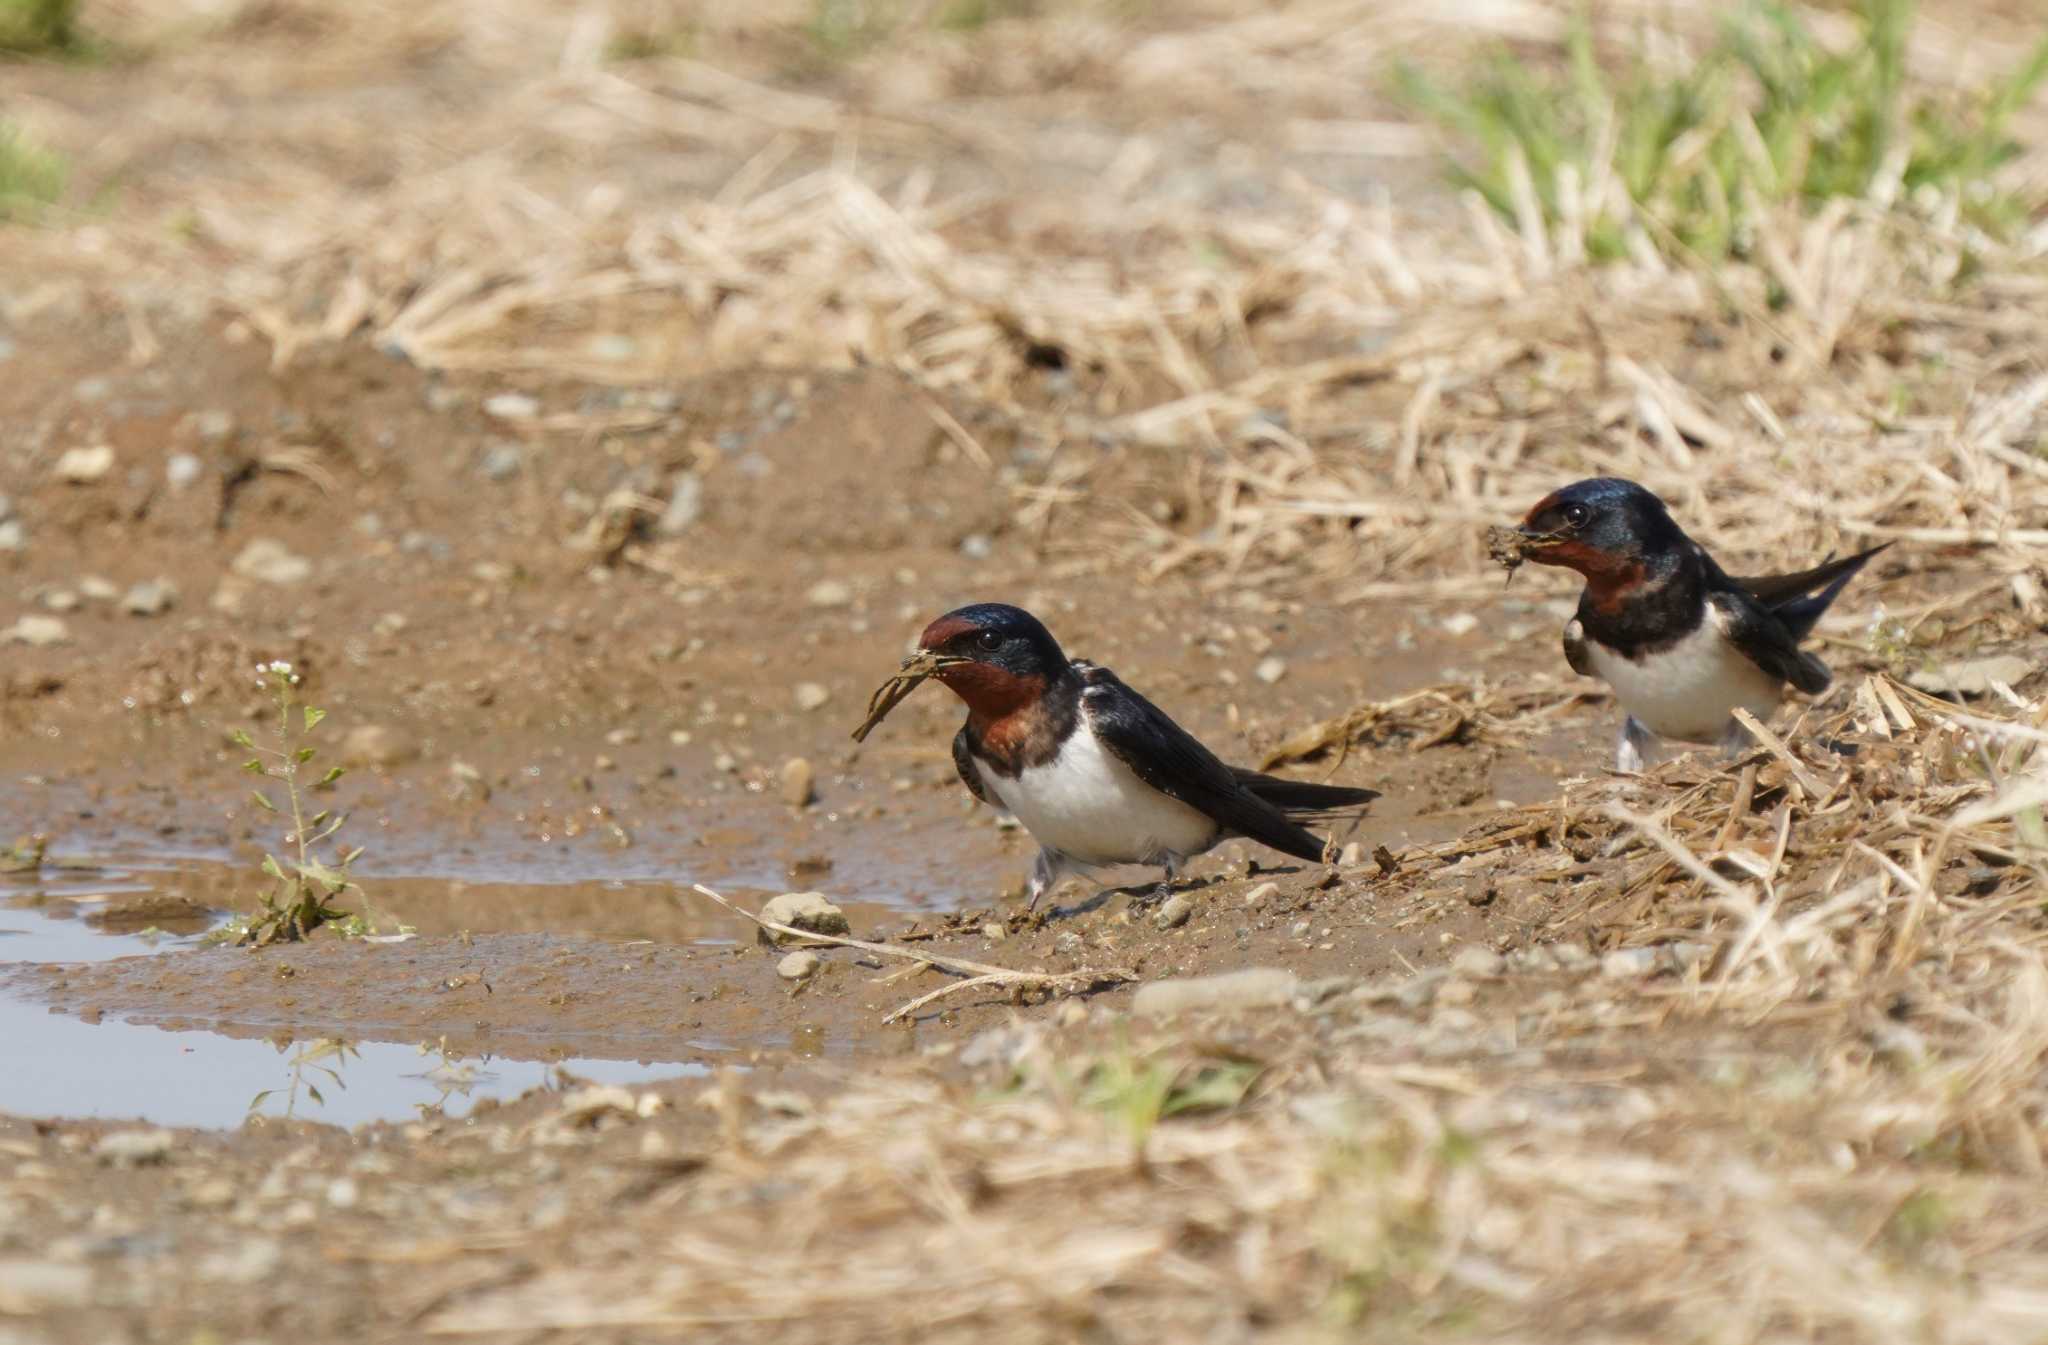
[{"x": 980, "y": 973}]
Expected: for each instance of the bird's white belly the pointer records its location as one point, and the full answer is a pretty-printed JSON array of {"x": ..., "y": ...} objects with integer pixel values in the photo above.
[
  {"x": 1688, "y": 690},
  {"x": 1088, "y": 805}
]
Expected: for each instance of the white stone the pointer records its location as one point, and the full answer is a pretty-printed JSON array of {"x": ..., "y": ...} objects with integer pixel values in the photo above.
[
  {"x": 81, "y": 466},
  {"x": 271, "y": 562},
  {"x": 37, "y": 630},
  {"x": 802, "y": 910}
]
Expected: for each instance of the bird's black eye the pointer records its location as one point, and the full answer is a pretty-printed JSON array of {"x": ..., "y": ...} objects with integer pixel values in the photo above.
[
  {"x": 1577, "y": 514},
  {"x": 989, "y": 640}
]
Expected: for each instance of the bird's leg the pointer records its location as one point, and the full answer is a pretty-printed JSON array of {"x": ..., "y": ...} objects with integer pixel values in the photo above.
[
  {"x": 1636, "y": 748},
  {"x": 1735, "y": 740},
  {"x": 1171, "y": 865},
  {"x": 1046, "y": 872}
]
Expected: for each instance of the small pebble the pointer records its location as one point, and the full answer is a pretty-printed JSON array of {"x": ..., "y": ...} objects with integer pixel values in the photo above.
[
  {"x": 1270, "y": 670},
  {"x": 13, "y": 537},
  {"x": 802, "y": 910},
  {"x": 1460, "y": 623},
  {"x": 830, "y": 593},
  {"x": 501, "y": 461},
  {"x": 799, "y": 782},
  {"x": 39, "y": 631},
  {"x": 1301, "y": 929},
  {"x": 511, "y": 406},
  {"x": 151, "y": 597},
  {"x": 82, "y": 466},
  {"x": 811, "y": 695},
  {"x": 1175, "y": 912},
  {"x": 977, "y": 546},
  {"x": 1261, "y": 894},
  {"x": 797, "y": 966},
  {"x": 271, "y": 562},
  {"x": 98, "y": 589},
  {"x": 61, "y": 600},
  {"x": 182, "y": 470}
]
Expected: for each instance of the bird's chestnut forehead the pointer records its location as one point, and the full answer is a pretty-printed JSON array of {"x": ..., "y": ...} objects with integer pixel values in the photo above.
[
  {"x": 946, "y": 628},
  {"x": 1550, "y": 501}
]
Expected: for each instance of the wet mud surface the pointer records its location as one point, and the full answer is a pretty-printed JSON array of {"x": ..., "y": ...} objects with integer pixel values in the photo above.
[{"x": 550, "y": 743}]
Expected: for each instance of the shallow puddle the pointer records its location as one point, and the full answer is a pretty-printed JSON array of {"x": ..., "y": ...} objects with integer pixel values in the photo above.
[{"x": 59, "y": 1065}]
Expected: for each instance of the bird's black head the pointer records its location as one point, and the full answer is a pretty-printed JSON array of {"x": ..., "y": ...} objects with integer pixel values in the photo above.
[
  {"x": 1612, "y": 531},
  {"x": 993, "y": 656}
]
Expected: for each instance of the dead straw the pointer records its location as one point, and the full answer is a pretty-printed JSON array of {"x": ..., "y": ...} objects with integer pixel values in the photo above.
[{"x": 979, "y": 974}]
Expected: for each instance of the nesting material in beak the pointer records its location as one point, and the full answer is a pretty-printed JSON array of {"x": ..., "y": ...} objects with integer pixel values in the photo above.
[
  {"x": 892, "y": 693},
  {"x": 1510, "y": 547}
]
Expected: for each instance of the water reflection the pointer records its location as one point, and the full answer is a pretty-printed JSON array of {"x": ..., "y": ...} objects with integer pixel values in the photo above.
[{"x": 71, "y": 1067}]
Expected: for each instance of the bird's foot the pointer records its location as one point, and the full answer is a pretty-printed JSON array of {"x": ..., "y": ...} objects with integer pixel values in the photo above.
[
  {"x": 1735, "y": 741},
  {"x": 1151, "y": 897},
  {"x": 1636, "y": 748}
]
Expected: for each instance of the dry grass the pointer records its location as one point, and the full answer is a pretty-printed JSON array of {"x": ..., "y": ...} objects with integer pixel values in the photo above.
[
  {"x": 1837, "y": 1135},
  {"x": 1869, "y": 376},
  {"x": 1810, "y": 1107}
]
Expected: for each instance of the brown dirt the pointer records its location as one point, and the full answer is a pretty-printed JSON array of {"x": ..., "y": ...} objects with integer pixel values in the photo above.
[{"x": 572, "y": 717}]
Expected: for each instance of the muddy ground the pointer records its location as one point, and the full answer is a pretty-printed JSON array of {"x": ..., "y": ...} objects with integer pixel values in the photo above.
[
  {"x": 624, "y": 726},
  {"x": 576, "y": 628},
  {"x": 621, "y": 728}
]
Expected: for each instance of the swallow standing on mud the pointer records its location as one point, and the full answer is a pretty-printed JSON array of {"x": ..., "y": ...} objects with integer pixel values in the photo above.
[
  {"x": 1095, "y": 772},
  {"x": 1681, "y": 642}
]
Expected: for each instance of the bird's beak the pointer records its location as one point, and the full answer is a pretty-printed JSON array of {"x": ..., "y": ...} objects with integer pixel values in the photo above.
[
  {"x": 1532, "y": 539},
  {"x": 925, "y": 662}
]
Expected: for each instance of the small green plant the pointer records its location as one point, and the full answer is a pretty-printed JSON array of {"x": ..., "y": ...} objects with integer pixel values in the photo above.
[
  {"x": 31, "y": 177},
  {"x": 1768, "y": 115},
  {"x": 300, "y": 898},
  {"x": 38, "y": 27},
  {"x": 25, "y": 855},
  {"x": 1140, "y": 1093}
]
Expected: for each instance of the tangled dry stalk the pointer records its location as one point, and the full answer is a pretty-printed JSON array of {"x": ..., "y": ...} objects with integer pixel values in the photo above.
[{"x": 1012, "y": 981}]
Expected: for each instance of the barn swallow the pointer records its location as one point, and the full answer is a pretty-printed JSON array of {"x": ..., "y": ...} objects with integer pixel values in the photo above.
[
  {"x": 1682, "y": 643},
  {"x": 1095, "y": 772}
]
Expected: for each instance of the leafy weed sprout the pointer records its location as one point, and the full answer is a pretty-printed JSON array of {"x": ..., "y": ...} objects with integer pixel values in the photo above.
[
  {"x": 302, "y": 892},
  {"x": 1768, "y": 115}
]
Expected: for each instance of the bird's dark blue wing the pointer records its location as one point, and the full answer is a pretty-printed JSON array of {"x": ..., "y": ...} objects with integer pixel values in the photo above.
[
  {"x": 1763, "y": 639},
  {"x": 1169, "y": 759}
]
